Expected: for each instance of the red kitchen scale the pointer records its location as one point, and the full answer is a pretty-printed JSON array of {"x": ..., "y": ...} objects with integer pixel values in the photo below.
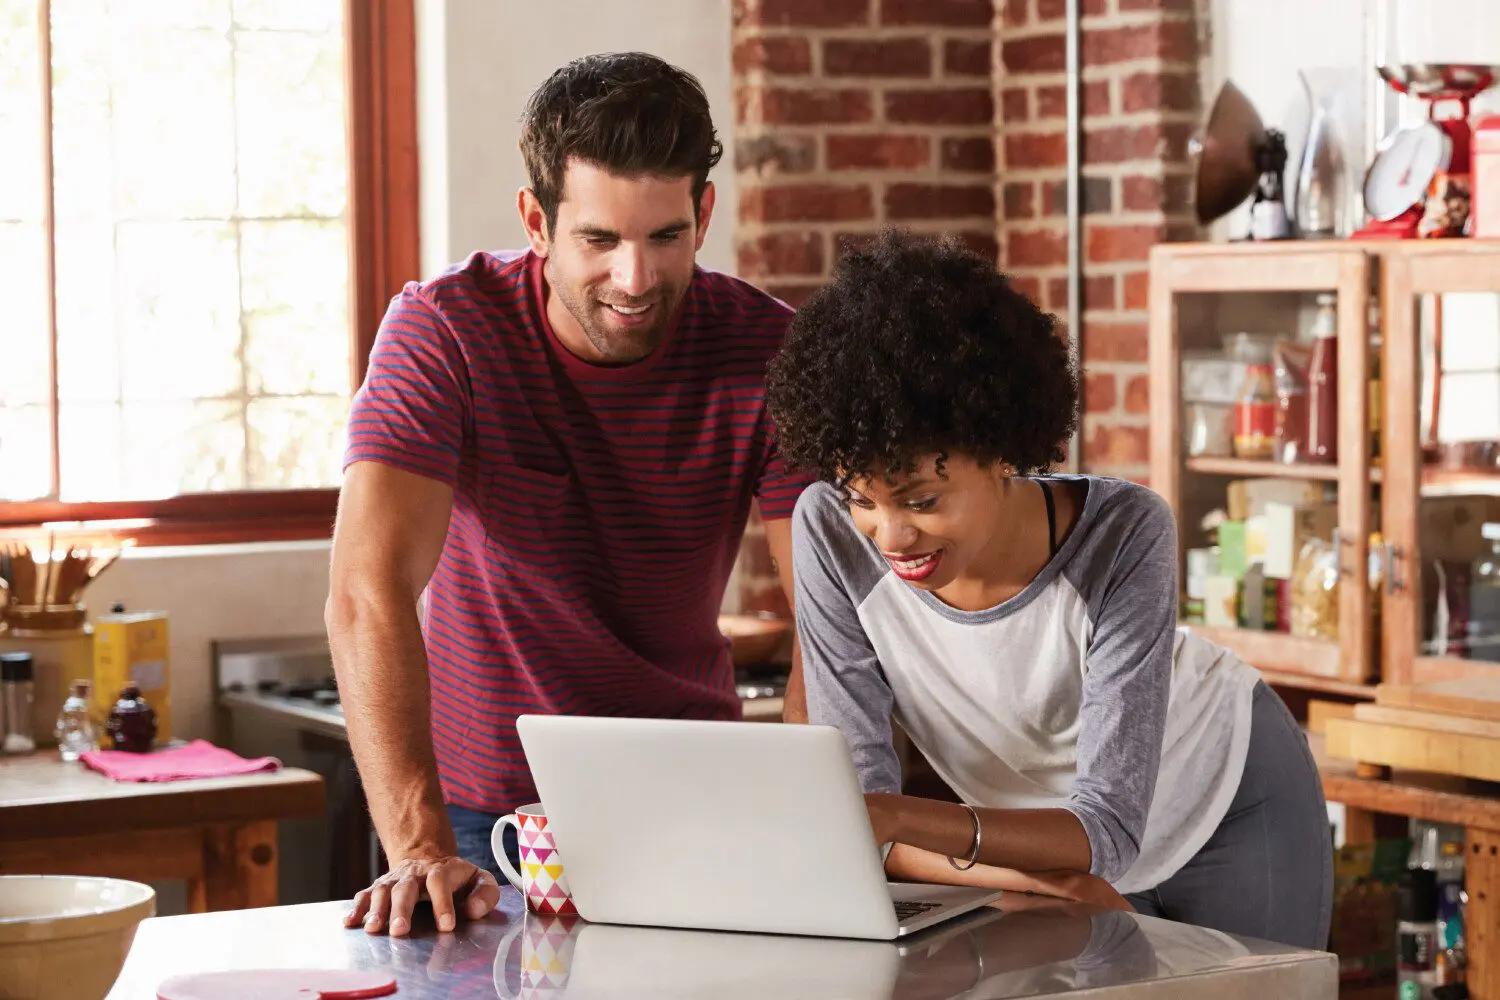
[{"x": 1418, "y": 185}]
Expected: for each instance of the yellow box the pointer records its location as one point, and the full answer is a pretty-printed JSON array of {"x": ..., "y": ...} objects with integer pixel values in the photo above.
[{"x": 132, "y": 648}]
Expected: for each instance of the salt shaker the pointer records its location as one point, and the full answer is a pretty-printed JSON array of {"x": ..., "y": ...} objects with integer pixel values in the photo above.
[{"x": 15, "y": 701}]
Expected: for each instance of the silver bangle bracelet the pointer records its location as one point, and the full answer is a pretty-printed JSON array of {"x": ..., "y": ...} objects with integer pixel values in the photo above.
[{"x": 978, "y": 839}]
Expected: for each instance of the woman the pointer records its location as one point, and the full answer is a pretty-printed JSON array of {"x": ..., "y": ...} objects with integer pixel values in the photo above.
[{"x": 1021, "y": 629}]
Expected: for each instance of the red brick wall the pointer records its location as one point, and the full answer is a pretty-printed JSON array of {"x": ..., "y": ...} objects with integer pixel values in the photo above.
[
  {"x": 1141, "y": 103},
  {"x": 853, "y": 114}
]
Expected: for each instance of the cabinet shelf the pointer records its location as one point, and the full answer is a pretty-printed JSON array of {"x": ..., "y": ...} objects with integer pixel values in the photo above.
[
  {"x": 1436, "y": 482},
  {"x": 1278, "y": 653},
  {"x": 1251, "y": 468}
]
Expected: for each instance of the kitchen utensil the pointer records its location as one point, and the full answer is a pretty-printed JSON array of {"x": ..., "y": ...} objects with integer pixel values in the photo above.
[
  {"x": 46, "y": 575},
  {"x": 753, "y": 638},
  {"x": 1321, "y": 178},
  {"x": 1405, "y": 163},
  {"x": 65, "y": 937},
  {"x": 1268, "y": 215},
  {"x": 1414, "y": 169},
  {"x": 1223, "y": 155}
]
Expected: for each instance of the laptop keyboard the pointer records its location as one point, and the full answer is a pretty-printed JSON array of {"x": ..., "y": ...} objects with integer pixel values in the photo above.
[{"x": 909, "y": 908}]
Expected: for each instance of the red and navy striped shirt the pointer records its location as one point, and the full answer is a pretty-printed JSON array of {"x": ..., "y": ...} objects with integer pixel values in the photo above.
[{"x": 597, "y": 512}]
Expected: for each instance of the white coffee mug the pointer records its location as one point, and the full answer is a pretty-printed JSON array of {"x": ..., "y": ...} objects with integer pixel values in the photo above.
[{"x": 541, "y": 879}]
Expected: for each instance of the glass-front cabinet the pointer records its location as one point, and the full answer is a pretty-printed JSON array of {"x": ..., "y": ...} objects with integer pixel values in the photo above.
[
  {"x": 1441, "y": 516},
  {"x": 1263, "y": 439},
  {"x": 1325, "y": 422}
]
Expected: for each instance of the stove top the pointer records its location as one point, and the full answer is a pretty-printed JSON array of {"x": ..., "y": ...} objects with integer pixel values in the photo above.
[
  {"x": 751, "y": 683},
  {"x": 319, "y": 693}
]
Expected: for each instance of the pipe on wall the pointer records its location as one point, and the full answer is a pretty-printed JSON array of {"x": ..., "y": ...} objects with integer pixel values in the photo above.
[{"x": 1072, "y": 31}]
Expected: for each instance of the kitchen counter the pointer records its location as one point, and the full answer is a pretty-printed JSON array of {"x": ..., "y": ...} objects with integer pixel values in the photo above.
[
  {"x": 329, "y": 721},
  {"x": 1024, "y": 946}
]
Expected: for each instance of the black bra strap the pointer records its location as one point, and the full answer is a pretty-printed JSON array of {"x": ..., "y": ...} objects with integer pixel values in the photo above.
[{"x": 1051, "y": 516}]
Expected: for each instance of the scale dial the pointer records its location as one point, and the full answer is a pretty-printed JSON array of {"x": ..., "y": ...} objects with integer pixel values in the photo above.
[{"x": 1403, "y": 168}]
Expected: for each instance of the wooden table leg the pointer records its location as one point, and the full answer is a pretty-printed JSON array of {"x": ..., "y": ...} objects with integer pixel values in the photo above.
[
  {"x": 1359, "y": 826},
  {"x": 1482, "y": 918},
  {"x": 239, "y": 867}
]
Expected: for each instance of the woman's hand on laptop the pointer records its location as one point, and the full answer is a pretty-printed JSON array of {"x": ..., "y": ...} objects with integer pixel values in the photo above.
[{"x": 452, "y": 884}]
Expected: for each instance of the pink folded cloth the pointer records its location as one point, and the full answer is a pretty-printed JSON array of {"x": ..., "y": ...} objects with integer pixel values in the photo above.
[{"x": 198, "y": 759}]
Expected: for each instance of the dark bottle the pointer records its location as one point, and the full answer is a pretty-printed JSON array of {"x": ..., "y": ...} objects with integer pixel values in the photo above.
[
  {"x": 1268, "y": 215},
  {"x": 132, "y": 722}
]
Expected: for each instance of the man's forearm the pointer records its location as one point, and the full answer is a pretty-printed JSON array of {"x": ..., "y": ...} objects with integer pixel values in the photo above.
[{"x": 382, "y": 672}]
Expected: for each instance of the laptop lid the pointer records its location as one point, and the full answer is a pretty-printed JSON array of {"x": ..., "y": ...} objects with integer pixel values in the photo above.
[{"x": 710, "y": 825}]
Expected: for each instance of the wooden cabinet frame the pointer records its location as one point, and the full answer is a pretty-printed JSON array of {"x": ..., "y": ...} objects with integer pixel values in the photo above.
[
  {"x": 1342, "y": 268},
  {"x": 1405, "y": 270},
  {"x": 1425, "y": 268}
]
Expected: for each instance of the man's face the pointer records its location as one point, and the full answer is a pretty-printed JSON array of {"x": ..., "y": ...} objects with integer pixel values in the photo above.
[{"x": 619, "y": 259}]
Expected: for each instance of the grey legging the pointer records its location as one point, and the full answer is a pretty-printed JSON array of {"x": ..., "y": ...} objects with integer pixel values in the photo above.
[{"x": 1267, "y": 871}]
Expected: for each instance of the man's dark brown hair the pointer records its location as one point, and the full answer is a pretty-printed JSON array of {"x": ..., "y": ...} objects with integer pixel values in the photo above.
[{"x": 631, "y": 113}]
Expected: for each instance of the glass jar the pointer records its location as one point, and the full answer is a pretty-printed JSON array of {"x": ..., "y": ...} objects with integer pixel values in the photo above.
[{"x": 1255, "y": 410}]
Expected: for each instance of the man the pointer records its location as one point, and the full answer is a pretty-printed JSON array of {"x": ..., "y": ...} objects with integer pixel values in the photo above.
[{"x": 560, "y": 449}]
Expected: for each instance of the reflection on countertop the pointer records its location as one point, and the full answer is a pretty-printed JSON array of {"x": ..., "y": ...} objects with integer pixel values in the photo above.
[{"x": 1026, "y": 946}]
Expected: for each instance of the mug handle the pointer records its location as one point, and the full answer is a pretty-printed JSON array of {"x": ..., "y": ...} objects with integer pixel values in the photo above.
[
  {"x": 502, "y": 959},
  {"x": 497, "y": 847}
]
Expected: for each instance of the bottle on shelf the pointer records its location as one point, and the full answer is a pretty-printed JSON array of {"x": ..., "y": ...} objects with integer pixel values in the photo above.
[
  {"x": 1291, "y": 360},
  {"x": 1416, "y": 935},
  {"x": 1323, "y": 385},
  {"x": 1377, "y": 363}
]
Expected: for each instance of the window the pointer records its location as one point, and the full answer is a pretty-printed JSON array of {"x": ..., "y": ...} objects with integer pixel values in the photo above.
[{"x": 204, "y": 205}]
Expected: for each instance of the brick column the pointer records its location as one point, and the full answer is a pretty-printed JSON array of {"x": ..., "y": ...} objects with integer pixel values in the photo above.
[
  {"x": 1141, "y": 102},
  {"x": 851, "y": 115}
]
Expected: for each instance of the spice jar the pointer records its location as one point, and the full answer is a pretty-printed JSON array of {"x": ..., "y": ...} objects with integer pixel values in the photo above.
[
  {"x": 132, "y": 722},
  {"x": 15, "y": 703},
  {"x": 1255, "y": 407}
]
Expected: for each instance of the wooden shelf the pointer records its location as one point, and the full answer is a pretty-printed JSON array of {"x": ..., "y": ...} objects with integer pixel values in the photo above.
[
  {"x": 1319, "y": 685},
  {"x": 1250, "y": 468},
  {"x": 1290, "y": 659},
  {"x": 1438, "y": 482}
]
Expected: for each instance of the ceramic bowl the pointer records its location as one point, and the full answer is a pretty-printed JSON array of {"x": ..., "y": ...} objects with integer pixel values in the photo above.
[
  {"x": 65, "y": 937},
  {"x": 753, "y": 638}
]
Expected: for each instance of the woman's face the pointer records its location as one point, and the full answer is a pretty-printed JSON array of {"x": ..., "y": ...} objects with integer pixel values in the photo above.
[{"x": 931, "y": 528}]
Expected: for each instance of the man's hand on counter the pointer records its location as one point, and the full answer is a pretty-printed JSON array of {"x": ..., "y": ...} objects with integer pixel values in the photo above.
[{"x": 452, "y": 884}]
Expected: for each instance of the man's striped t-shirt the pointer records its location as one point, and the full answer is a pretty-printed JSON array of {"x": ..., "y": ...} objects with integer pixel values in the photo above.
[{"x": 597, "y": 512}]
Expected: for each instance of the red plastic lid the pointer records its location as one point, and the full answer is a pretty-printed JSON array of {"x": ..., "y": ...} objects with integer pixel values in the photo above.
[{"x": 279, "y": 984}]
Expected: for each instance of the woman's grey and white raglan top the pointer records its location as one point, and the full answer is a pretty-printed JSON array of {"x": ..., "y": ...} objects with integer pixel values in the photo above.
[{"x": 1078, "y": 693}]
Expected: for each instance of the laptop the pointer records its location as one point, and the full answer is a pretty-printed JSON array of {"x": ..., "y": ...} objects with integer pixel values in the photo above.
[{"x": 734, "y": 826}]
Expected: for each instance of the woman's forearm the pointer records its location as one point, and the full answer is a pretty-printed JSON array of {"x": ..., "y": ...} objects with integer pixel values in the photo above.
[
  {"x": 1031, "y": 840},
  {"x": 912, "y": 864}
]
